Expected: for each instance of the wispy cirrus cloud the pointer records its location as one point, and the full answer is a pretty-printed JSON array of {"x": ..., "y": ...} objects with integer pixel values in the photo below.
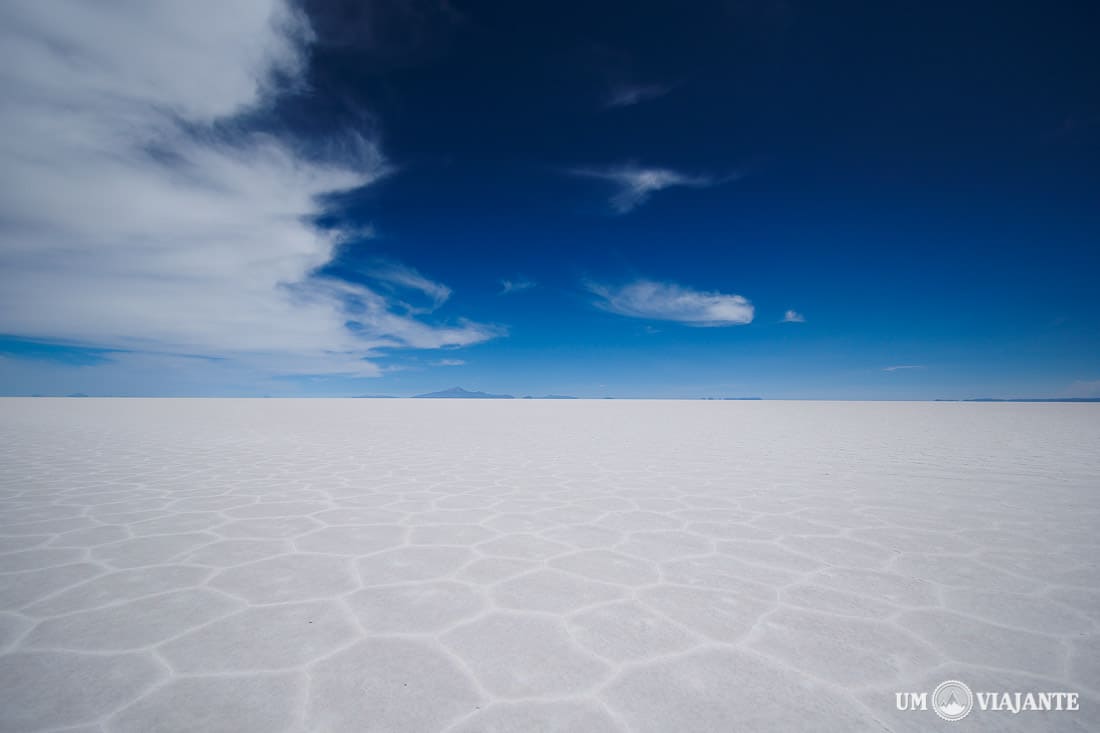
[
  {"x": 450, "y": 362},
  {"x": 626, "y": 95},
  {"x": 636, "y": 184},
  {"x": 515, "y": 285},
  {"x": 150, "y": 217},
  {"x": 792, "y": 316},
  {"x": 399, "y": 276},
  {"x": 902, "y": 367},
  {"x": 664, "y": 301}
]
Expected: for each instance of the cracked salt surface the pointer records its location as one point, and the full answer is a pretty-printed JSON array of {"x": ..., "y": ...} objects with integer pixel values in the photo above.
[{"x": 392, "y": 565}]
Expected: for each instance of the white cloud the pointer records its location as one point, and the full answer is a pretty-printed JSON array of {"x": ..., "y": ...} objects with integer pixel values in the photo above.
[
  {"x": 450, "y": 362},
  {"x": 793, "y": 317},
  {"x": 636, "y": 184},
  {"x": 625, "y": 95},
  {"x": 671, "y": 302},
  {"x": 902, "y": 367},
  {"x": 130, "y": 220},
  {"x": 515, "y": 286},
  {"x": 403, "y": 276}
]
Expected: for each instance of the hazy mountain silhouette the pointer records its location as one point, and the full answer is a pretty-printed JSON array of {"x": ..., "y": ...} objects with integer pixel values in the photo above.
[{"x": 459, "y": 393}]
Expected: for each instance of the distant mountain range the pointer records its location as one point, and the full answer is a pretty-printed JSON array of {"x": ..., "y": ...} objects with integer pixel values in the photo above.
[{"x": 463, "y": 394}]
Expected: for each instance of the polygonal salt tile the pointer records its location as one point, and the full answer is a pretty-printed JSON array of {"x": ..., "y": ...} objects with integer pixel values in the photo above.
[
  {"x": 553, "y": 591},
  {"x": 523, "y": 547},
  {"x": 790, "y": 525},
  {"x": 719, "y": 614},
  {"x": 627, "y": 631},
  {"x": 450, "y": 534},
  {"x": 19, "y": 589},
  {"x": 297, "y": 577},
  {"x": 1017, "y": 610},
  {"x": 516, "y": 655},
  {"x": 351, "y": 539},
  {"x": 11, "y": 628},
  {"x": 451, "y": 516},
  {"x": 154, "y": 550},
  {"x": 465, "y": 501},
  {"x": 893, "y": 588},
  {"x": 43, "y": 690},
  {"x": 727, "y": 516},
  {"x": 37, "y": 559},
  {"x": 388, "y": 685},
  {"x": 1085, "y": 661},
  {"x": 727, "y": 690},
  {"x": 914, "y": 540},
  {"x": 639, "y": 521},
  {"x": 275, "y": 509},
  {"x": 22, "y": 515},
  {"x": 540, "y": 717},
  {"x": 415, "y": 607},
  {"x": 1084, "y": 600},
  {"x": 962, "y": 572},
  {"x": 731, "y": 531},
  {"x": 411, "y": 563},
  {"x": 271, "y": 528},
  {"x": 842, "y": 551},
  {"x": 830, "y": 600},
  {"x": 177, "y": 524},
  {"x": 91, "y": 537},
  {"x": 665, "y": 545},
  {"x": 48, "y": 526},
  {"x": 518, "y": 523},
  {"x": 726, "y": 573},
  {"x": 493, "y": 569},
  {"x": 227, "y": 553},
  {"x": 260, "y": 704},
  {"x": 358, "y": 515},
  {"x": 25, "y": 542},
  {"x": 846, "y": 651},
  {"x": 770, "y": 554},
  {"x": 131, "y": 625},
  {"x": 262, "y": 638},
  {"x": 971, "y": 641},
  {"x": 121, "y": 585},
  {"x": 209, "y": 503},
  {"x": 585, "y": 536},
  {"x": 608, "y": 566}
]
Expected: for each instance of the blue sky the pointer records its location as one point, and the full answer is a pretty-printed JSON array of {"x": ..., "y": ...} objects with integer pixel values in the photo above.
[{"x": 774, "y": 199}]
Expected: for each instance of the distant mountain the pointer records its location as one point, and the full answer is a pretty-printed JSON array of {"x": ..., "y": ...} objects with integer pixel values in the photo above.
[
  {"x": 76, "y": 394},
  {"x": 463, "y": 394},
  {"x": 373, "y": 397},
  {"x": 550, "y": 397}
]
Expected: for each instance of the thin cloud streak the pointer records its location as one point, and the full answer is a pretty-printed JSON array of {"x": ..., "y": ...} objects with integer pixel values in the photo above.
[
  {"x": 659, "y": 301},
  {"x": 902, "y": 367},
  {"x": 516, "y": 285},
  {"x": 636, "y": 184},
  {"x": 627, "y": 95}
]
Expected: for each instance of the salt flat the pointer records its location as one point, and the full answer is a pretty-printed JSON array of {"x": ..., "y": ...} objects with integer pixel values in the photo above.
[{"x": 405, "y": 565}]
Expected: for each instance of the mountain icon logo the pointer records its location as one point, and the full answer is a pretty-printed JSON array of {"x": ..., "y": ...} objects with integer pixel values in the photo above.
[{"x": 952, "y": 700}]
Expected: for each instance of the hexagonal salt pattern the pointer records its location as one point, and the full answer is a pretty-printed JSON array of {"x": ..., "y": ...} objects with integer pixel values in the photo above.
[{"x": 370, "y": 565}]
